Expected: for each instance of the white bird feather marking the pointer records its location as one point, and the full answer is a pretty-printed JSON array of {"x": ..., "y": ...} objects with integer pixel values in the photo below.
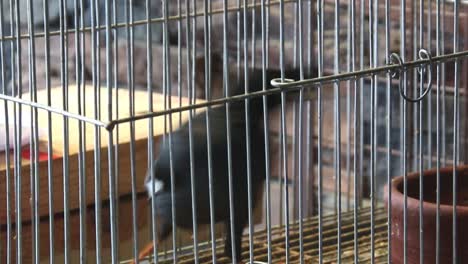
[{"x": 158, "y": 186}]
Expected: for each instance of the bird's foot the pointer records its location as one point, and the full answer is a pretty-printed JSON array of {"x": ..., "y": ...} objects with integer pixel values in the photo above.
[{"x": 146, "y": 251}]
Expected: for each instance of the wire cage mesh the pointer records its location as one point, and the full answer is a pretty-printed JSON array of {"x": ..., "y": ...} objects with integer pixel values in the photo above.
[{"x": 112, "y": 117}]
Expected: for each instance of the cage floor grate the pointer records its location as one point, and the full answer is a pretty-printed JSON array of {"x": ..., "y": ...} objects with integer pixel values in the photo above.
[{"x": 310, "y": 241}]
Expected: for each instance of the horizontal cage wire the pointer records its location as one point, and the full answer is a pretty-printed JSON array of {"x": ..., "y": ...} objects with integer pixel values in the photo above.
[{"x": 269, "y": 131}]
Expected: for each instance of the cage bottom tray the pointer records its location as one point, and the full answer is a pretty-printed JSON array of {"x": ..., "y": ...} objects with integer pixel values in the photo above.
[{"x": 310, "y": 242}]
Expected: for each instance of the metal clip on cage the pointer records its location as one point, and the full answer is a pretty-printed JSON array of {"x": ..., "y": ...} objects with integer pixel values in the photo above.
[
  {"x": 423, "y": 55},
  {"x": 277, "y": 82}
]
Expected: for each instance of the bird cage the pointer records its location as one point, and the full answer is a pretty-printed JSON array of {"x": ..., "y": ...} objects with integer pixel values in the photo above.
[{"x": 270, "y": 131}]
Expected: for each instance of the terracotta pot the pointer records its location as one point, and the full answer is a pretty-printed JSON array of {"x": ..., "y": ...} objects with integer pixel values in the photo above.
[{"x": 429, "y": 216}]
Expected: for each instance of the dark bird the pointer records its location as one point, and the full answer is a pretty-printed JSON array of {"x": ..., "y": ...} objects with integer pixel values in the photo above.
[{"x": 160, "y": 189}]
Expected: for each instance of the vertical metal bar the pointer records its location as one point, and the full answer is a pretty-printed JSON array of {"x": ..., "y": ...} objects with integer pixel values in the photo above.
[
  {"x": 83, "y": 77},
  {"x": 10, "y": 229},
  {"x": 311, "y": 12},
  {"x": 34, "y": 136},
  {"x": 405, "y": 188},
  {"x": 7, "y": 140},
  {"x": 13, "y": 47},
  {"x": 285, "y": 173},
  {"x": 443, "y": 83},
  {"x": 310, "y": 185},
  {"x": 309, "y": 175},
  {"x": 389, "y": 130},
  {"x": 438, "y": 132},
  {"x": 348, "y": 108},
  {"x": 115, "y": 64},
  {"x": 361, "y": 100},
  {"x": 209, "y": 44},
  {"x": 401, "y": 105},
  {"x": 18, "y": 133},
  {"x": 266, "y": 134},
  {"x": 403, "y": 126},
  {"x": 207, "y": 47},
  {"x": 309, "y": 182},
  {"x": 179, "y": 51},
  {"x": 151, "y": 156},
  {"x": 167, "y": 74},
  {"x": 194, "y": 51},
  {"x": 7, "y": 154},
  {"x": 456, "y": 36},
  {"x": 97, "y": 133},
  {"x": 192, "y": 165},
  {"x": 8, "y": 165},
  {"x": 247, "y": 133},
  {"x": 131, "y": 91},
  {"x": 420, "y": 132},
  {"x": 110, "y": 151},
  {"x": 320, "y": 14},
  {"x": 281, "y": 132},
  {"x": 300, "y": 156},
  {"x": 49, "y": 132},
  {"x": 254, "y": 37},
  {"x": 294, "y": 159},
  {"x": 301, "y": 226},
  {"x": 374, "y": 85},
  {"x": 228, "y": 126},
  {"x": 98, "y": 45},
  {"x": 112, "y": 173},
  {"x": 13, "y": 79},
  {"x": 280, "y": 174},
  {"x": 7, "y": 255},
  {"x": 280, "y": 169},
  {"x": 429, "y": 96},
  {"x": 284, "y": 134},
  {"x": 179, "y": 56},
  {"x": 64, "y": 80},
  {"x": 296, "y": 58},
  {"x": 337, "y": 129},
  {"x": 82, "y": 147},
  {"x": 376, "y": 38},
  {"x": 165, "y": 95},
  {"x": 376, "y": 54},
  {"x": 179, "y": 89},
  {"x": 7, "y": 147},
  {"x": 32, "y": 175},
  {"x": 456, "y": 135},
  {"x": 414, "y": 109},
  {"x": 83, "y": 72},
  {"x": 130, "y": 78},
  {"x": 267, "y": 25},
  {"x": 295, "y": 34},
  {"x": 238, "y": 44},
  {"x": 352, "y": 18}
]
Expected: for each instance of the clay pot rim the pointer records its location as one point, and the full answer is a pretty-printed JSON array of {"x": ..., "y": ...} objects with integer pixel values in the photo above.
[{"x": 396, "y": 194}]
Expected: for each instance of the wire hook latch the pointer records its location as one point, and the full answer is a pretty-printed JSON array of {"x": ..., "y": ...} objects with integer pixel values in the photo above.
[{"x": 423, "y": 55}]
